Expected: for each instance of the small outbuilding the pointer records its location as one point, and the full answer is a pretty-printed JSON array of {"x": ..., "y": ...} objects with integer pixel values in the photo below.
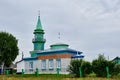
[{"x": 117, "y": 60}]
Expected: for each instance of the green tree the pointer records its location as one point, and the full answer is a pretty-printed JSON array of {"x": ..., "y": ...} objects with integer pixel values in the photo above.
[
  {"x": 116, "y": 69},
  {"x": 99, "y": 66},
  {"x": 111, "y": 66},
  {"x": 8, "y": 48},
  {"x": 86, "y": 68},
  {"x": 74, "y": 67}
]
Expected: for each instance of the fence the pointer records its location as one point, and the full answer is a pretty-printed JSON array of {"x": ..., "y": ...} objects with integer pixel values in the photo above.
[
  {"x": 57, "y": 71},
  {"x": 44, "y": 71},
  {"x": 38, "y": 72}
]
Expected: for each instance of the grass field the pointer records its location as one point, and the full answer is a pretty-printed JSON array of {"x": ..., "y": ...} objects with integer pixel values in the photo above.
[{"x": 47, "y": 77}]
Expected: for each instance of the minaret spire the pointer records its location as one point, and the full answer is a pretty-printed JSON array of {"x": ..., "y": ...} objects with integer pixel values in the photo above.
[
  {"x": 39, "y": 13},
  {"x": 39, "y": 25}
]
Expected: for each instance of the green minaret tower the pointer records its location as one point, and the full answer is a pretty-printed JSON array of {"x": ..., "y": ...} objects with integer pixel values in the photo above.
[{"x": 38, "y": 40}]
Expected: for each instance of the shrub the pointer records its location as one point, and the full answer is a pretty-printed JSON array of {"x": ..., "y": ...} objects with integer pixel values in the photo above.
[
  {"x": 117, "y": 76},
  {"x": 74, "y": 67},
  {"x": 92, "y": 74},
  {"x": 86, "y": 68},
  {"x": 99, "y": 66},
  {"x": 116, "y": 70}
]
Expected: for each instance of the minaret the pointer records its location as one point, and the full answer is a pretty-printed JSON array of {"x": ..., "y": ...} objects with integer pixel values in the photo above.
[{"x": 38, "y": 40}]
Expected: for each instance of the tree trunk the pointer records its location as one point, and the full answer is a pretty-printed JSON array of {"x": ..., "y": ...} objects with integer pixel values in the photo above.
[{"x": 2, "y": 68}]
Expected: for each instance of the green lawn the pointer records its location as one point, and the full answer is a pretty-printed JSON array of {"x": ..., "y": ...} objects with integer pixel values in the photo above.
[{"x": 47, "y": 77}]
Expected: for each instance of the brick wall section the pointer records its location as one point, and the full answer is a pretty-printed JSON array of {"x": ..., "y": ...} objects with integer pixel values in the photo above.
[{"x": 55, "y": 56}]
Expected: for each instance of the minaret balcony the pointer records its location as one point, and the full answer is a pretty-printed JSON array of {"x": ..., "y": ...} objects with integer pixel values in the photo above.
[{"x": 38, "y": 40}]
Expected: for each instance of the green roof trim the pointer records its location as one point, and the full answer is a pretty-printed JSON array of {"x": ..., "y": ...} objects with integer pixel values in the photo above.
[
  {"x": 38, "y": 31},
  {"x": 59, "y": 46}
]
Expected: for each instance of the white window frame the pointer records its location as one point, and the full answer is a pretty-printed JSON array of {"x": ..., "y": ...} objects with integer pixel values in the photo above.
[
  {"x": 51, "y": 64},
  {"x": 43, "y": 64},
  {"x": 58, "y": 63},
  {"x": 31, "y": 65}
]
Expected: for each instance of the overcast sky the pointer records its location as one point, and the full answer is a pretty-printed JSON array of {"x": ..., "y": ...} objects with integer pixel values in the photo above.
[{"x": 90, "y": 26}]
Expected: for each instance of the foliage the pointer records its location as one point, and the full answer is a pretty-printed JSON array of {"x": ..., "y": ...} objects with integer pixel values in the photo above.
[
  {"x": 76, "y": 64},
  {"x": 74, "y": 67},
  {"x": 86, "y": 68},
  {"x": 8, "y": 48},
  {"x": 46, "y": 77},
  {"x": 99, "y": 66},
  {"x": 111, "y": 66},
  {"x": 92, "y": 74},
  {"x": 117, "y": 77},
  {"x": 116, "y": 69}
]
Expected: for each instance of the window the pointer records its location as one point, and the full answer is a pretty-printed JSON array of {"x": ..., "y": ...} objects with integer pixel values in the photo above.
[
  {"x": 36, "y": 35},
  {"x": 31, "y": 66},
  {"x": 58, "y": 63},
  {"x": 43, "y": 65},
  {"x": 51, "y": 64}
]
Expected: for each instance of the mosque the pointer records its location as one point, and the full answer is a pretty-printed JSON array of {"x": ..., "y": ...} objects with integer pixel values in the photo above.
[{"x": 47, "y": 60}]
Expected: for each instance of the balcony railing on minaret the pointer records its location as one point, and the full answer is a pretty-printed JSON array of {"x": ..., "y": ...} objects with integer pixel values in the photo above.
[{"x": 38, "y": 40}]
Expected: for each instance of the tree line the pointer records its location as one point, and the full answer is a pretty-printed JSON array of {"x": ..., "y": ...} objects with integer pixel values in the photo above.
[{"x": 96, "y": 68}]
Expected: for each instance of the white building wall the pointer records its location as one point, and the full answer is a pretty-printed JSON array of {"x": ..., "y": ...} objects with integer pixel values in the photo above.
[
  {"x": 20, "y": 66},
  {"x": 55, "y": 66},
  {"x": 47, "y": 64},
  {"x": 65, "y": 62},
  {"x": 38, "y": 64},
  {"x": 47, "y": 71},
  {"x": 27, "y": 66}
]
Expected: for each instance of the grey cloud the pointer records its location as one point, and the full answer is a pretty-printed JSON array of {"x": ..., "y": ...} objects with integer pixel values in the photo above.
[{"x": 89, "y": 26}]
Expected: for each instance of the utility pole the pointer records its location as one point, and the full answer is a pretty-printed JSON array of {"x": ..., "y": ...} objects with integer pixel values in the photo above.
[{"x": 22, "y": 55}]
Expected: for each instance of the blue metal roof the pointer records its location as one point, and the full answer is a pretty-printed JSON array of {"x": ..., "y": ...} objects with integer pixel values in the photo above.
[
  {"x": 58, "y": 51},
  {"x": 78, "y": 56},
  {"x": 30, "y": 58}
]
